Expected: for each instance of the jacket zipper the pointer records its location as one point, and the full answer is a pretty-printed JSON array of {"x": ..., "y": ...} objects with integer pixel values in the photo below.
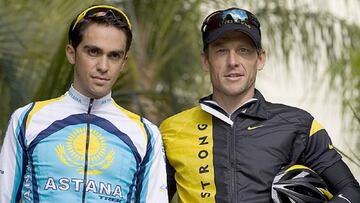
[
  {"x": 87, "y": 148},
  {"x": 233, "y": 196}
]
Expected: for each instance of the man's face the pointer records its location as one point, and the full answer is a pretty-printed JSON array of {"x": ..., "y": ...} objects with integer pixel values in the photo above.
[
  {"x": 98, "y": 60},
  {"x": 233, "y": 61}
]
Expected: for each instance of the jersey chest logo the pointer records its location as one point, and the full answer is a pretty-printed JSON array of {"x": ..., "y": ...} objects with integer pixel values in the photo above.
[{"x": 72, "y": 153}]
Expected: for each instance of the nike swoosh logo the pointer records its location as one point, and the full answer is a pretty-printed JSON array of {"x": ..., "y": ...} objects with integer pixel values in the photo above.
[
  {"x": 342, "y": 197},
  {"x": 254, "y": 127}
]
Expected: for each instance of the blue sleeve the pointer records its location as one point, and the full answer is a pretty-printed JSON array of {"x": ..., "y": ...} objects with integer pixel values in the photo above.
[
  {"x": 12, "y": 157},
  {"x": 152, "y": 187}
]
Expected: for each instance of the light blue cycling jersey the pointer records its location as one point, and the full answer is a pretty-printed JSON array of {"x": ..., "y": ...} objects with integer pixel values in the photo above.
[{"x": 77, "y": 149}]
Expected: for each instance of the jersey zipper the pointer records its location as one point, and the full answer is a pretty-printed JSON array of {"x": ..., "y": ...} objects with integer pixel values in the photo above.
[{"x": 87, "y": 148}]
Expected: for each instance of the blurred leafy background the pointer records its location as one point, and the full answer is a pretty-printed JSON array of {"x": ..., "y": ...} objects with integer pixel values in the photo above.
[{"x": 163, "y": 74}]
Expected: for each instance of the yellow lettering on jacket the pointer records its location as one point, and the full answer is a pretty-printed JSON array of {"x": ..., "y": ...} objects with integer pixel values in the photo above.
[{"x": 189, "y": 148}]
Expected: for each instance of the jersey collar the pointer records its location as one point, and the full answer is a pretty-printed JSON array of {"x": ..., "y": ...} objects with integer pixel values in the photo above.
[{"x": 84, "y": 100}]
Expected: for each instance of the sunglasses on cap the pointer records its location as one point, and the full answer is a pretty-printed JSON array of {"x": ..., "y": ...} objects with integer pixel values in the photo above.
[
  {"x": 232, "y": 15},
  {"x": 102, "y": 10},
  {"x": 232, "y": 19}
]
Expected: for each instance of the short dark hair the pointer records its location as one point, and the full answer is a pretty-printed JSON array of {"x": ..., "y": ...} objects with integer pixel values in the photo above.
[{"x": 75, "y": 34}]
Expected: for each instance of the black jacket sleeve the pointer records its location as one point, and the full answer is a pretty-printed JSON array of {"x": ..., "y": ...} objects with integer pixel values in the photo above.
[{"x": 341, "y": 183}]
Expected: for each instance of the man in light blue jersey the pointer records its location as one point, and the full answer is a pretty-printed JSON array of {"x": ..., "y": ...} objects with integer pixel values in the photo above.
[{"x": 82, "y": 146}]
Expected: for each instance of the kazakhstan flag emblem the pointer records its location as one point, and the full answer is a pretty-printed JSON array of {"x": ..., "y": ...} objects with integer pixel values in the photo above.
[{"x": 73, "y": 153}]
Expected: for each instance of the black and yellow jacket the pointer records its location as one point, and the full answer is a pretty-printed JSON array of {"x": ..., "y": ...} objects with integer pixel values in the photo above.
[{"x": 216, "y": 157}]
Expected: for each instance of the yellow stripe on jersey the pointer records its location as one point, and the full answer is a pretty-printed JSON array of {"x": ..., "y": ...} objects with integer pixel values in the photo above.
[
  {"x": 133, "y": 117},
  {"x": 188, "y": 144},
  {"x": 39, "y": 105},
  {"x": 315, "y": 127}
]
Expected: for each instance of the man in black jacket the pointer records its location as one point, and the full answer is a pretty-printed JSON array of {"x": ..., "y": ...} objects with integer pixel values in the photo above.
[{"x": 231, "y": 146}]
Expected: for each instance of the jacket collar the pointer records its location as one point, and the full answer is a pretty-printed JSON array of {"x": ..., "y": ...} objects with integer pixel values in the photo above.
[
  {"x": 257, "y": 109},
  {"x": 252, "y": 108}
]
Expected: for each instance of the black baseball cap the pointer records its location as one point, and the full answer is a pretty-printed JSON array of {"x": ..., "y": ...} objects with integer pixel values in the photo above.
[{"x": 232, "y": 19}]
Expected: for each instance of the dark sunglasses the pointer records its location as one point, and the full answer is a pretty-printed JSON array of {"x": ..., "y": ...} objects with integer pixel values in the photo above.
[
  {"x": 231, "y": 15},
  {"x": 102, "y": 10}
]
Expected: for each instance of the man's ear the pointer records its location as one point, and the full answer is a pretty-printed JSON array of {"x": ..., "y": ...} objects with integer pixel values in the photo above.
[
  {"x": 70, "y": 54},
  {"x": 123, "y": 65},
  {"x": 205, "y": 62},
  {"x": 261, "y": 60}
]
